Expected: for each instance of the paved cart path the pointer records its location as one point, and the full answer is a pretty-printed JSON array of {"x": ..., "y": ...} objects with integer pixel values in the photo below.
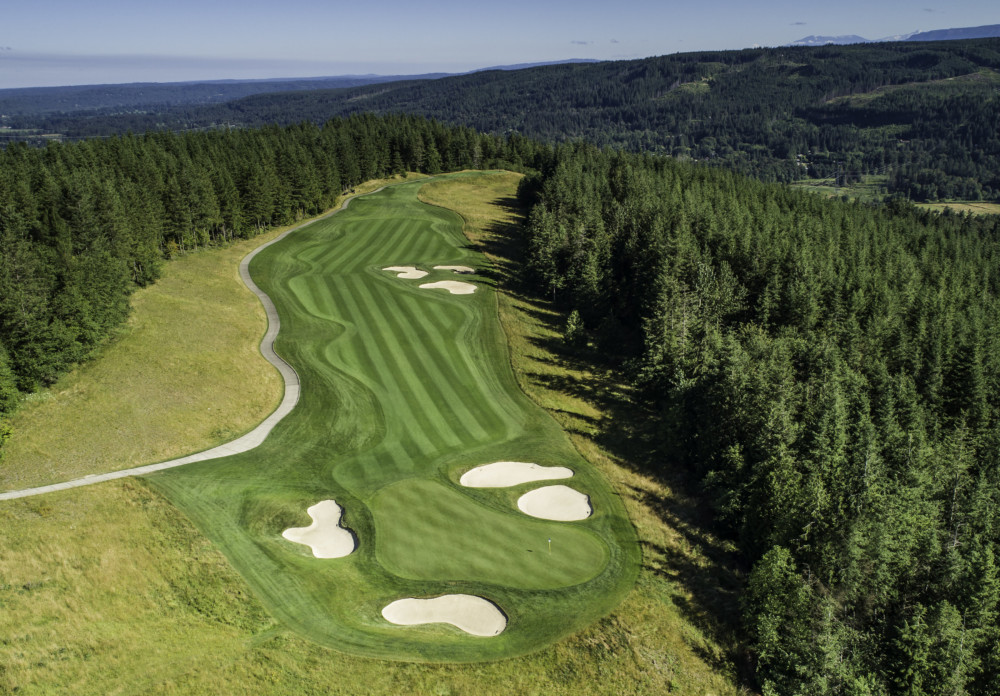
[{"x": 246, "y": 442}]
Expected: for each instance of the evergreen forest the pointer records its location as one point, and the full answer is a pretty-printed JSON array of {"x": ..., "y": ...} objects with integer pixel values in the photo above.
[{"x": 828, "y": 373}]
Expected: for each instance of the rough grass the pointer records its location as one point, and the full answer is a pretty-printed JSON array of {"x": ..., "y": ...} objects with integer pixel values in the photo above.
[
  {"x": 158, "y": 391},
  {"x": 184, "y": 374},
  {"x": 109, "y": 590}
]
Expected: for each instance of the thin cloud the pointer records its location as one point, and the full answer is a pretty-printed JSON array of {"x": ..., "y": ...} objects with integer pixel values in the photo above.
[
  {"x": 928, "y": 9},
  {"x": 582, "y": 43},
  {"x": 798, "y": 24}
]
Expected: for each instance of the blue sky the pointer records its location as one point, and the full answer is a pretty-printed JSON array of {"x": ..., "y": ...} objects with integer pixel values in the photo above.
[{"x": 61, "y": 42}]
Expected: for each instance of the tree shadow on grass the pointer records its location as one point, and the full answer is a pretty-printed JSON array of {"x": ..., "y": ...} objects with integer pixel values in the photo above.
[
  {"x": 707, "y": 571},
  {"x": 501, "y": 242}
]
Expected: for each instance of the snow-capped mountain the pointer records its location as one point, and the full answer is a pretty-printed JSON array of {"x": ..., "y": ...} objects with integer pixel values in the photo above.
[{"x": 983, "y": 32}]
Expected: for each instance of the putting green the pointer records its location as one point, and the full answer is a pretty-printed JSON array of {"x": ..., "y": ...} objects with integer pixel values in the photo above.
[
  {"x": 427, "y": 531},
  {"x": 403, "y": 389}
]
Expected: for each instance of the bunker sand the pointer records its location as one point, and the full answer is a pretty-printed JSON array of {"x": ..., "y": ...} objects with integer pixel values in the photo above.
[
  {"x": 324, "y": 536},
  {"x": 406, "y": 272},
  {"x": 474, "y": 615},
  {"x": 505, "y": 474},
  {"x": 560, "y": 503},
  {"x": 453, "y": 286}
]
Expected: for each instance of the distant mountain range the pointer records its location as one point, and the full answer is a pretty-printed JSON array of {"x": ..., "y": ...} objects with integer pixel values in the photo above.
[
  {"x": 983, "y": 32},
  {"x": 144, "y": 96}
]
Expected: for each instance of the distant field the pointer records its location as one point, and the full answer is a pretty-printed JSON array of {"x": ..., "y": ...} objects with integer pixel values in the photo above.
[
  {"x": 873, "y": 188},
  {"x": 974, "y": 207},
  {"x": 108, "y": 586},
  {"x": 870, "y": 188},
  {"x": 985, "y": 77}
]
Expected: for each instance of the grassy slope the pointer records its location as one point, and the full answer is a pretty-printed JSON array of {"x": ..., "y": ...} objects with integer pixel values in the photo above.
[
  {"x": 178, "y": 619},
  {"x": 184, "y": 375}
]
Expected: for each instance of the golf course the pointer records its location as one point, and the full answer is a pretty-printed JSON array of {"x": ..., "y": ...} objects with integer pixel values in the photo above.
[{"x": 406, "y": 385}]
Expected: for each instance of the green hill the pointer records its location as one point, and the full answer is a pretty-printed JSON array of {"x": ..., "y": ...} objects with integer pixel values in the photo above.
[{"x": 921, "y": 114}]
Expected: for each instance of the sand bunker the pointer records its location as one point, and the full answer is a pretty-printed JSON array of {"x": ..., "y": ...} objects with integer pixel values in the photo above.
[
  {"x": 324, "y": 536},
  {"x": 474, "y": 615},
  {"x": 456, "y": 269},
  {"x": 452, "y": 286},
  {"x": 504, "y": 474},
  {"x": 560, "y": 503},
  {"x": 406, "y": 272}
]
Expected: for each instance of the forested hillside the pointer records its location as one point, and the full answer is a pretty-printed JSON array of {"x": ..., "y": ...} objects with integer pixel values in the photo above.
[
  {"x": 921, "y": 115},
  {"x": 82, "y": 225},
  {"x": 108, "y": 100},
  {"x": 830, "y": 373}
]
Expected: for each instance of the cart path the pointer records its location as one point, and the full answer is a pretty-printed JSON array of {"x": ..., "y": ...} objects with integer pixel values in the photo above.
[{"x": 251, "y": 439}]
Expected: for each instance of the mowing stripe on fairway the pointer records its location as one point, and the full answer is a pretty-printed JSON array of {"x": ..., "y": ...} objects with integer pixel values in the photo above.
[
  {"x": 458, "y": 410},
  {"x": 400, "y": 384}
]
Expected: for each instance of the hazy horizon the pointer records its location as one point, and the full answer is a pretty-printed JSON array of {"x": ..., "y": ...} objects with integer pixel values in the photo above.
[{"x": 63, "y": 43}]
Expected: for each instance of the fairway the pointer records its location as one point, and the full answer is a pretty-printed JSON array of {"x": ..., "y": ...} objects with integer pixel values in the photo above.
[{"x": 404, "y": 389}]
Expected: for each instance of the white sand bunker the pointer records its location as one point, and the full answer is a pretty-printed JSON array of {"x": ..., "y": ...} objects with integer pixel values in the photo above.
[
  {"x": 452, "y": 286},
  {"x": 504, "y": 474},
  {"x": 324, "y": 536},
  {"x": 406, "y": 272},
  {"x": 560, "y": 503},
  {"x": 456, "y": 269},
  {"x": 474, "y": 615}
]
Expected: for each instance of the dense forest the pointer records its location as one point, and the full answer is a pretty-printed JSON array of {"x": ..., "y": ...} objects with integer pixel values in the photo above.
[
  {"x": 84, "y": 224},
  {"x": 921, "y": 115},
  {"x": 830, "y": 374}
]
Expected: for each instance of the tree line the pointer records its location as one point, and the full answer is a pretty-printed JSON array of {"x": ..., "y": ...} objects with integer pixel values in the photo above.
[
  {"x": 924, "y": 114},
  {"x": 83, "y": 225},
  {"x": 830, "y": 374}
]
